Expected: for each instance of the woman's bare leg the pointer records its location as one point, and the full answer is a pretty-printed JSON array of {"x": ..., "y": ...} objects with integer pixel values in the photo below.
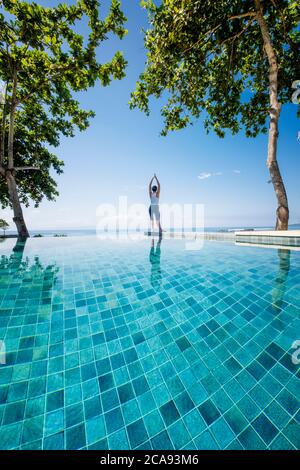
[{"x": 159, "y": 226}]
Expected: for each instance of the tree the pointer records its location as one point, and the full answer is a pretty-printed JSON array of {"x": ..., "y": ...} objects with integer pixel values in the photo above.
[
  {"x": 44, "y": 61},
  {"x": 234, "y": 60},
  {"x": 3, "y": 225}
]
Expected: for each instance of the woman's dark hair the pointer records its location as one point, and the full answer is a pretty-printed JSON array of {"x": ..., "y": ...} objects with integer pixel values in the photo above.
[{"x": 154, "y": 189}]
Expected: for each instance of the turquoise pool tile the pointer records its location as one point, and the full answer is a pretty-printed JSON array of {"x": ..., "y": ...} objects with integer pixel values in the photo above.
[
  {"x": 5, "y": 376},
  {"x": 293, "y": 387},
  {"x": 189, "y": 446},
  {"x": 162, "y": 441},
  {"x": 281, "y": 443},
  {"x": 125, "y": 393},
  {"x": 198, "y": 393},
  {"x": 73, "y": 394},
  {"x": 194, "y": 423},
  {"x": 209, "y": 412},
  {"x": 154, "y": 423},
  {"x": 54, "y": 442},
  {"x": 174, "y": 385},
  {"x": 271, "y": 384},
  {"x": 10, "y": 436},
  {"x": 234, "y": 390},
  {"x": 17, "y": 391},
  {"x": 131, "y": 411},
  {"x": 234, "y": 445},
  {"x": 92, "y": 407},
  {"x": 266, "y": 430},
  {"x": 73, "y": 415},
  {"x": 292, "y": 433},
  {"x": 32, "y": 429},
  {"x": 222, "y": 433},
  {"x": 137, "y": 433},
  {"x": 178, "y": 434},
  {"x": 118, "y": 441},
  {"x": 277, "y": 414},
  {"x": 55, "y": 400},
  {"x": 210, "y": 384},
  {"x": 14, "y": 412},
  {"x": 54, "y": 422},
  {"x": 146, "y": 402},
  {"x": 103, "y": 360},
  {"x": 114, "y": 420},
  {"x": 161, "y": 394},
  {"x": 3, "y": 393},
  {"x": 95, "y": 430},
  {"x": 280, "y": 373},
  {"x": 205, "y": 442},
  {"x": 236, "y": 420},
  {"x": 248, "y": 407},
  {"x": 250, "y": 440},
  {"x": 246, "y": 380},
  {"x": 183, "y": 403},
  {"x": 75, "y": 437},
  {"x": 35, "y": 407},
  {"x": 100, "y": 445},
  {"x": 109, "y": 400},
  {"x": 106, "y": 382},
  {"x": 261, "y": 397},
  {"x": 37, "y": 387},
  {"x": 222, "y": 400},
  {"x": 144, "y": 446},
  {"x": 288, "y": 402}
]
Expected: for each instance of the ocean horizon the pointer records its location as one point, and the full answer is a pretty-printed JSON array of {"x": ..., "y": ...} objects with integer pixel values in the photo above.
[{"x": 77, "y": 232}]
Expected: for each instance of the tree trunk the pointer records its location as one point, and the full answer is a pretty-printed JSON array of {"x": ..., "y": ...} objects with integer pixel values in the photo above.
[
  {"x": 282, "y": 213},
  {"x": 14, "y": 199},
  {"x": 10, "y": 171}
]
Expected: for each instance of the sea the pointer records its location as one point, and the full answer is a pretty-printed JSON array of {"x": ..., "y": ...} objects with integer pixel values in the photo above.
[{"x": 81, "y": 232}]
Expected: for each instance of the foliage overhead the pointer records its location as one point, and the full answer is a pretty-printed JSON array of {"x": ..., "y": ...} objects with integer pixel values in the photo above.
[
  {"x": 52, "y": 62},
  {"x": 209, "y": 56}
]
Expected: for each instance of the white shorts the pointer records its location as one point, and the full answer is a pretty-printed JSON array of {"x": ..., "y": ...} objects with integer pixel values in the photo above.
[{"x": 154, "y": 212}]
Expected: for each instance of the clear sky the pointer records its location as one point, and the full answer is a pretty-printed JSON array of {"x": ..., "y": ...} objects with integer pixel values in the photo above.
[{"x": 122, "y": 149}]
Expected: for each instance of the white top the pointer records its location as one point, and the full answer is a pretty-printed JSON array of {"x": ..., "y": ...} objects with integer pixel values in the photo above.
[{"x": 154, "y": 199}]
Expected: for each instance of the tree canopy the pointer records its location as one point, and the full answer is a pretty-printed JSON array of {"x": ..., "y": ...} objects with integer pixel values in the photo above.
[
  {"x": 44, "y": 62},
  {"x": 208, "y": 56}
]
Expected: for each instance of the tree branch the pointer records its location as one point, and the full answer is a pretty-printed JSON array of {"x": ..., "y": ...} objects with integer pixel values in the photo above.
[
  {"x": 243, "y": 15},
  {"x": 212, "y": 31},
  {"x": 25, "y": 168}
]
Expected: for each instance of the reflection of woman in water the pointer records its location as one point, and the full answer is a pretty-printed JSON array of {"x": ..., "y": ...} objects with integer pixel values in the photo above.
[
  {"x": 154, "y": 193},
  {"x": 154, "y": 258},
  {"x": 280, "y": 281}
]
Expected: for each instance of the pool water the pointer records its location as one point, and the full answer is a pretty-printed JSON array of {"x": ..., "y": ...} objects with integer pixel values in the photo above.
[{"x": 138, "y": 345}]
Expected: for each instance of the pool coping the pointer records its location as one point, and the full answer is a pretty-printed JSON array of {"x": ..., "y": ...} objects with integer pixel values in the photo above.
[{"x": 285, "y": 238}]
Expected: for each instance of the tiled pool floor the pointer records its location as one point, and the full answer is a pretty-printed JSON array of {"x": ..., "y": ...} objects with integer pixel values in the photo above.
[{"x": 121, "y": 345}]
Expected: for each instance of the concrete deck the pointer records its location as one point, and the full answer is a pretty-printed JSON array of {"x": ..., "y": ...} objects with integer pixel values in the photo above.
[
  {"x": 269, "y": 237},
  {"x": 194, "y": 235}
]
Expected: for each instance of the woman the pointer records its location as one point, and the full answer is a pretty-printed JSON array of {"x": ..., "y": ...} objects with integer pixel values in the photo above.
[{"x": 154, "y": 193}]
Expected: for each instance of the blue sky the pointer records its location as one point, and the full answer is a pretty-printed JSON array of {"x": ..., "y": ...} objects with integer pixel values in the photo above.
[{"x": 122, "y": 149}]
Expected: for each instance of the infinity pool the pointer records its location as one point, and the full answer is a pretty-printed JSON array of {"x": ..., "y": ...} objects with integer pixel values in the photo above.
[{"x": 146, "y": 345}]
